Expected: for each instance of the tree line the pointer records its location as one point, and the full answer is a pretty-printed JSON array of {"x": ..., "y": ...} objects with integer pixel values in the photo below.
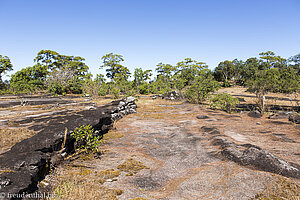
[{"x": 62, "y": 74}]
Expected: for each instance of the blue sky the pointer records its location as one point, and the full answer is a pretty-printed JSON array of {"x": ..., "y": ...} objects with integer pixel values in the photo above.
[{"x": 149, "y": 32}]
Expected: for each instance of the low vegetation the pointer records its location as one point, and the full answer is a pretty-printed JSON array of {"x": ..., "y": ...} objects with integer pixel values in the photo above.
[
  {"x": 80, "y": 181},
  {"x": 131, "y": 166},
  {"x": 282, "y": 189},
  {"x": 224, "y": 102},
  {"x": 85, "y": 139}
]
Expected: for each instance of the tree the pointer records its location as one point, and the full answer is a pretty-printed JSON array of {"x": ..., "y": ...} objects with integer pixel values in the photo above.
[
  {"x": 248, "y": 70},
  {"x": 270, "y": 60},
  {"x": 294, "y": 61},
  {"x": 5, "y": 65},
  {"x": 140, "y": 80},
  {"x": 262, "y": 82},
  {"x": 202, "y": 87},
  {"x": 269, "y": 74},
  {"x": 51, "y": 59},
  {"x": 225, "y": 71},
  {"x": 188, "y": 69},
  {"x": 29, "y": 79},
  {"x": 115, "y": 71},
  {"x": 165, "y": 72},
  {"x": 55, "y": 62},
  {"x": 66, "y": 74}
]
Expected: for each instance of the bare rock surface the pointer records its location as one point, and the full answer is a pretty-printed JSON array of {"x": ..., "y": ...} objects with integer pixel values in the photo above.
[{"x": 191, "y": 158}]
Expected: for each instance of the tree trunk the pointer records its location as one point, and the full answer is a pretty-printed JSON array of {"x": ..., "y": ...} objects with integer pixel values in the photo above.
[{"x": 261, "y": 101}]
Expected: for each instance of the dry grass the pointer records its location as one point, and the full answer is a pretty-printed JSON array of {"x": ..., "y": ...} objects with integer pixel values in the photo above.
[
  {"x": 139, "y": 198},
  {"x": 155, "y": 109},
  {"x": 131, "y": 166},
  {"x": 2, "y": 171},
  {"x": 112, "y": 134},
  {"x": 282, "y": 189},
  {"x": 9, "y": 137},
  {"x": 81, "y": 182}
]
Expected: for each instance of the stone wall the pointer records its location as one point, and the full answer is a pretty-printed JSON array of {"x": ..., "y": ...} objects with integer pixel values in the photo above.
[{"x": 27, "y": 162}]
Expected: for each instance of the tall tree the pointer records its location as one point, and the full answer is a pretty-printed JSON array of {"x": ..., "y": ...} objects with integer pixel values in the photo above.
[
  {"x": 270, "y": 60},
  {"x": 225, "y": 71},
  {"x": 188, "y": 69},
  {"x": 115, "y": 71},
  {"x": 5, "y": 65},
  {"x": 141, "y": 76}
]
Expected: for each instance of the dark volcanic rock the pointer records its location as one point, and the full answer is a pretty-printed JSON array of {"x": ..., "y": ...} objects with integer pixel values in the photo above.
[
  {"x": 262, "y": 160},
  {"x": 29, "y": 160},
  {"x": 251, "y": 155},
  {"x": 255, "y": 114},
  {"x": 202, "y": 117},
  {"x": 295, "y": 119},
  {"x": 280, "y": 115}
]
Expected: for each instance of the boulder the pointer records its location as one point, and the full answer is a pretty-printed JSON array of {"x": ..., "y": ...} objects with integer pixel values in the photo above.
[
  {"x": 295, "y": 118},
  {"x": 202, "y": 117},
  {"x": 173, "y": 95},
  {"x": 255, "y": 114},
  {"x": 262, "y": 160}
]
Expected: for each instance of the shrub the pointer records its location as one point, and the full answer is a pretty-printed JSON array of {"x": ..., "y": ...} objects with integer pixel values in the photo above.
[
  {"x": 203, "y": 86},
  {"x": 115, "y": 92},
  {"x": 224, "y": 102},
  {"x": 85, "y": 139}
]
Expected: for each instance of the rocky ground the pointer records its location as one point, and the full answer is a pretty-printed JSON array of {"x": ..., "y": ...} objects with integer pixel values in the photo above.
[
  {"x": 166, "y": 151},
  {"x": 22, "y": 117}
]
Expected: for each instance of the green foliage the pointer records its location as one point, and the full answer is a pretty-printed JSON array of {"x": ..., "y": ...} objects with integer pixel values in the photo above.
[
  {"x": 66, "y": 74},
  {"x": 140, "y": 80},
  {"x": 56, "y": 62},
  {"x": 115, "y": 92},
  {"x": 187, "y": 70},
  {"x": 165, "y": 72},
  {"x": 224, "y": 102},
  {"x": 203, "y": 86},
  {"x": 85, "y": 139},
  {"x": 5, "y": 65},
  {"x": 56, "y": 88},
  {"x": 130, "y": 93},
  {"x": 29, "y": 79},
  {"x": 114, "y": 69}
]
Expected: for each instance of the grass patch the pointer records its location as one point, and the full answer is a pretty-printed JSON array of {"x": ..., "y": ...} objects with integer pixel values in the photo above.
[
  {"x": 131, "y": 166},
  {"x": 108, "y": 174},
  {"x": 282, "y": 189},
  {"x": 112, "y": 134},
  {"x": 2, "y": 171},
  {"x": 10, "y": 137},
  {"x": 72, "y": 189},
  {"x": 80, "y": 182}
]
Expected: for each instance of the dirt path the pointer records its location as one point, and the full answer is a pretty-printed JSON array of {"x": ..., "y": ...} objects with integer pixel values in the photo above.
[{"x": 180, "y": 161}]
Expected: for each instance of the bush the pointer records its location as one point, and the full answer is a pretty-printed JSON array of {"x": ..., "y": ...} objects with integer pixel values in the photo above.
[
  {"x": 85, "y": 139},
  {"x": 115, "y": 92},
  {"x": 203, "y": 86},
  {"x": 224, "y": 102},
  {"x": 56, "y": 88},
  {"x": 144, "y": 89}
]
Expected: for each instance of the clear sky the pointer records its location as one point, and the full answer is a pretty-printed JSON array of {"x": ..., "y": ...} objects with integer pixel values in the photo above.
[{"x": 147, "y": 32}]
